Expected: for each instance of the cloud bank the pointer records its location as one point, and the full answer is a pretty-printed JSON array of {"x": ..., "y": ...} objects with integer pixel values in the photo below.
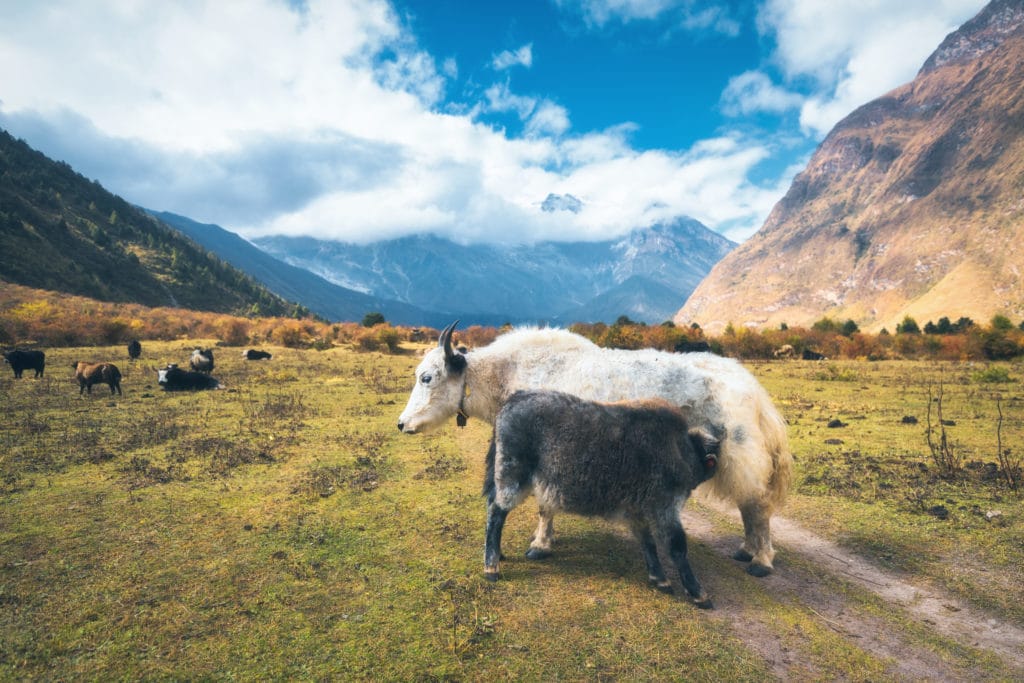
[{"x": 326, "y": 118}]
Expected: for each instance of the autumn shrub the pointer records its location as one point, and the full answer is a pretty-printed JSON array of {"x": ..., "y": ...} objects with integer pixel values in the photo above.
[{"x": 233, "y": 331}]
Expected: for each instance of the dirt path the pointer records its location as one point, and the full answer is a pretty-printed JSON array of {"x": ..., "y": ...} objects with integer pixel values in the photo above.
[{"x": 803, "y": 582}]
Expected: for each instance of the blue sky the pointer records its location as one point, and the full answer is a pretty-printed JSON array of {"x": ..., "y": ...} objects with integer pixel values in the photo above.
[{"x": 367, "y": 119}]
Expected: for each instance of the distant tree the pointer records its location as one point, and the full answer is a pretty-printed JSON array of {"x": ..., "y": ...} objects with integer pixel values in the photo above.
[
  {"x": 908, "y": 326},
  {"x": 1001, "y": 323},
  {"x": 826, "y": 324},
  {"x": 849, "y": 328},
  {"x": 624, "y": 320},
  {"x": 669, "y": 324},
  {"x": 963, "y": 324},
  {"x": 373, "y": 318},
  {"x": 783, "y": 327}
]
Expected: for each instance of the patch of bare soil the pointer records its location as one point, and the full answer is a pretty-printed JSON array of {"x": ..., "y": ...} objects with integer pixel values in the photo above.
[{"x": 807, "y": 583}]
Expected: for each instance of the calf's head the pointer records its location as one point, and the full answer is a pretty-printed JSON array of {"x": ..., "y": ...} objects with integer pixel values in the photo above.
[{"x": 440, "y": 383}]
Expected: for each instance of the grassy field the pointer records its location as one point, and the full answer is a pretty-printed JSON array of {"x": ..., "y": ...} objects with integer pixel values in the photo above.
[{"x": 284, "y": 528}]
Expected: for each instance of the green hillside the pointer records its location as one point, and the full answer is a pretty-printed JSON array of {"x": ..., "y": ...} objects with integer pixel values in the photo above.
[{"x": 65, "y": 233}]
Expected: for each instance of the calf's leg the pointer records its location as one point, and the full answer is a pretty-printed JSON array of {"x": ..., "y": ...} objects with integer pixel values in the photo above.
[
  {"x": 492, "y": 540},
  {"x": 671, "y": 533},
  {"x": 540, "y": 544},
  {"x": 655, "y": 572}
]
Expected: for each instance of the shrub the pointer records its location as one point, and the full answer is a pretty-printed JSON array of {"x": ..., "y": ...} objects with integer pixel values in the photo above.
[{"x": 992, "y": 375}]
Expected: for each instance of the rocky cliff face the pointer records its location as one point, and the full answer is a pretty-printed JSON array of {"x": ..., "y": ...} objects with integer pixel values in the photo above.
[{"x": 913, "y": 204}]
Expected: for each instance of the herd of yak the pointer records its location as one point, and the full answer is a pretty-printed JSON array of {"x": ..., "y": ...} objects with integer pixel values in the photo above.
[{"x": 171, "y": 378}]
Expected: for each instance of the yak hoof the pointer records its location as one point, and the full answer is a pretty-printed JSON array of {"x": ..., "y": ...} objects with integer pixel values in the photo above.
[
  {"x": 758, "y": 570},
  {"x": 492, "y": 576},
  {"x": 704, "y": 603},
  {"x": 665, "y": 588},
  {"x": 537, "y": 554},
  {"x": 742, "y": 555}
]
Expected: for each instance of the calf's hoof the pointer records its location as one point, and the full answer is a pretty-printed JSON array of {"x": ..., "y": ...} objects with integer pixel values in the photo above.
[
  {"x": 703, "y": 603},
  {"x": 742, "y": 555},
  {"x": 538, "y": 554},
  {"x": 759, "y": 570},
  {"x": 492, "y": 576},
  {"x": 661, "y": 586}
]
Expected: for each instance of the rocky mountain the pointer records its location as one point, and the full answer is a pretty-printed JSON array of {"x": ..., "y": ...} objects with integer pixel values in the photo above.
[
  {"x": 644, "y": 275},
  {"x": 324, "y": 298},
  {"x": 63, "y": 232},
  {"x": 913, "y": 204}
]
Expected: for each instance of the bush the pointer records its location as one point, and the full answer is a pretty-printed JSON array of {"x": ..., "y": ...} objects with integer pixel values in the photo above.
[{"x": 992, "y": 375}]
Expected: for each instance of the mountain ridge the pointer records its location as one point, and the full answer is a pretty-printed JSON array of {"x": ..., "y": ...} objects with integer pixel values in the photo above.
[
  {"x": 547, "y": 281},
  {"x": 62, "y": 232},
  {"x": 910, "y": 206}
]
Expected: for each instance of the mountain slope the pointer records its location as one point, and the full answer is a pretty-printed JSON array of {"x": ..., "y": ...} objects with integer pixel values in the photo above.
[
  {"x": 64, "y": 233},
  {"x": 911, "y": 205},
  {"x": 554, "y": 281},
  {"x": 296, "y": 284}
]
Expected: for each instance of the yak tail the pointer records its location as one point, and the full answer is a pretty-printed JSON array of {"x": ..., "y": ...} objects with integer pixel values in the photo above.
[
  {"x": 776, "y": 443},
  {"x": 488, "y": 491}
]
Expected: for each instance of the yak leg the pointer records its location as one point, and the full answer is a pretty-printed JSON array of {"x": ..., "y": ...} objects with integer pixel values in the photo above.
[
  {"x": 655, "y": 572},
  {"x": 757, "y": 543},
  {"x": 540, "y": 545},
  {"x": 492, "y": 541},
  {"x": 671, "y": 533}
]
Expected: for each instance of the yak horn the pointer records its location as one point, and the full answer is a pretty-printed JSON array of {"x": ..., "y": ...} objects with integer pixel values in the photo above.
[{"x": 445, "y": 340}]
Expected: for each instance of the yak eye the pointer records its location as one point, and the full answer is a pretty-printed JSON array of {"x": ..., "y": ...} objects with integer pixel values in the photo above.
[{"x": 426, "y": 379}]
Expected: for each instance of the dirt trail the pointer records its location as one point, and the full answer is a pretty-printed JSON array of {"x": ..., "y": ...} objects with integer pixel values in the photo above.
[{"x": 935, "y": 609}]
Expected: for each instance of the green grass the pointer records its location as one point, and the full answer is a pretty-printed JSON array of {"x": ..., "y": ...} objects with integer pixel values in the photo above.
[{"x": 284, "y": 528}]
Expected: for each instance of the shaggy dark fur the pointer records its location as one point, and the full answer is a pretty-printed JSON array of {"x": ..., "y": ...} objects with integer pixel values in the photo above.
[
  {"x": 26, "y": 360},
  {"x": 639, "y": 460}
]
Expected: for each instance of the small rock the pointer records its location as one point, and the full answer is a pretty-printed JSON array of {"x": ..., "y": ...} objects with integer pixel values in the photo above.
[
  {"x": 939, "y": 511},
  {"x": 833, "y": 424},
  {"x": 834, "y": 442},
  {"x": 993, "y": 514},
  {"x": 909, "y": 420}
]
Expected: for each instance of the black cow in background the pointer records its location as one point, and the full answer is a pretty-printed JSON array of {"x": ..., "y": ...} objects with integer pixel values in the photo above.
[
  {"x": 21, "y": 360},
  {"x": 256, "y": 354},
  {"x": 134, "y": 349},
  {"x": 173, "y": 378}
]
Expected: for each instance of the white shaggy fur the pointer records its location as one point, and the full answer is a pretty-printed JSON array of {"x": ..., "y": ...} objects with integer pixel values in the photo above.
[{"x": 715, "y": 392}]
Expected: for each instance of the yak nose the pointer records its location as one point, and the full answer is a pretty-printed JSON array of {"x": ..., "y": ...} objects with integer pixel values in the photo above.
[{"x": 401, "y": 426}]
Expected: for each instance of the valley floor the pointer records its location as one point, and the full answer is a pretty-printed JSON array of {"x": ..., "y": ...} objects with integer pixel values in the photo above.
[{"x": 283, "y": 528}]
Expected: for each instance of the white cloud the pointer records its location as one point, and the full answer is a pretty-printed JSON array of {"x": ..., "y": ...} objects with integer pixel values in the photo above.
[
  {"x": 327, "y": 121},
  {"x": 689, "y": 15},
  {"x": 509, "y": 58},
  {"x": 856, "y": 51},
  {"x": 753, "y": 91}
]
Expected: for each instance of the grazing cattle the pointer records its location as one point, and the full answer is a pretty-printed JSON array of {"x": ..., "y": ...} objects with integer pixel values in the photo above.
[
  {"x": 20, "y": 361},
  {"x": 88, "y": 374},
  {"x": 202, "y": 360},
  {"x": 173, "y": 378},
  {"x": 638, "y": 460},
  {"x": 255, "y": 354},
  {"x": 812, "y": 355},
  {"x": 715, "y": 393},
  {"x": 134, "y": 349},
  {"x": 687, "y": 346},
  {"x": 785, "y": 351}
]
